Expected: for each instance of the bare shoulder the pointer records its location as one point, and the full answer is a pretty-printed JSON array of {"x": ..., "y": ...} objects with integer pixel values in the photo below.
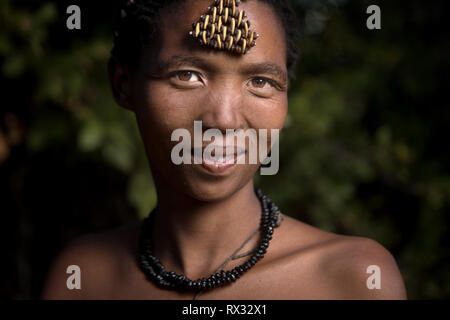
[
  {"x": 97, "y": 258},
  {"x": 361, "y": 268},
  {"x": 343, "y": 267}
]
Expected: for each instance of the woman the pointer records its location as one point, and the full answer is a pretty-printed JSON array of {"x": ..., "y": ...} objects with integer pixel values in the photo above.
[{"x": 211, "y": 236}]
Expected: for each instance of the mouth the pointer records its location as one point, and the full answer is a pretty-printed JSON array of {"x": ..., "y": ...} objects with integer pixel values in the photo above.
[{"x": 220, "y": 163}]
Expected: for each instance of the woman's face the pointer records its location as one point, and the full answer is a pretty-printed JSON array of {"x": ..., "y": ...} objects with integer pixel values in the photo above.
[{"x": 181, "y": 82}]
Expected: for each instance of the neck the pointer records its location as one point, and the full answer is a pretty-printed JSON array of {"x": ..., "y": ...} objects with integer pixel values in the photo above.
[{"x": 195, "y": 237}]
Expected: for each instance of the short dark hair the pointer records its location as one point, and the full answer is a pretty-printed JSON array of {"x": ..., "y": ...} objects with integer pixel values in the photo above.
[{"x": 139, "y": 24}]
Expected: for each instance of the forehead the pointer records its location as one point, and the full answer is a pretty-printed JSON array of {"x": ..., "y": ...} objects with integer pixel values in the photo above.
[{"x": 177, "y": 19}]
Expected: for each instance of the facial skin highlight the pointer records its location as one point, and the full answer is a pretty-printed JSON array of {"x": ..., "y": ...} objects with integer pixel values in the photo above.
[{"x": 181, "y": 82}]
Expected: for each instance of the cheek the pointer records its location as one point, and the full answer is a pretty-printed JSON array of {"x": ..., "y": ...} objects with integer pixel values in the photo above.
[
  {"x": 268, "y": 113},
  {"x": 164, "y": 110}
]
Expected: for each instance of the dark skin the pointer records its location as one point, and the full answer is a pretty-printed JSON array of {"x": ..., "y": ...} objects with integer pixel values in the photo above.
[{"x": 205, "y": 217}]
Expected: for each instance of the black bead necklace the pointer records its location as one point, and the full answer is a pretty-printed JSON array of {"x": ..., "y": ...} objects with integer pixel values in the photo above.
[{"x": 156, "y": 272}]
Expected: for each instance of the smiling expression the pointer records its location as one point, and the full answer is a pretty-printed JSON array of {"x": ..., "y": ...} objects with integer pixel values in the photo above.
[{"x": 181, "y": 81}]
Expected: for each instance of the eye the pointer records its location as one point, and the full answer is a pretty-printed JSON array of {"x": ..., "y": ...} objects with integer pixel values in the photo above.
[
  {"x": 262, "y": 83},
  {"x": 187, "y": 76},
  {"x": 263, "y": 87}
]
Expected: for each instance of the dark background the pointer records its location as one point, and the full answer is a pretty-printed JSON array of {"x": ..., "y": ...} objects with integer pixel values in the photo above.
[{"x": 364, "y": 151}]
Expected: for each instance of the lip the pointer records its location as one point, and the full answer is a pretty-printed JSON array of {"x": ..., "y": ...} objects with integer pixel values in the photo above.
[{"x": 220, "y": 167}]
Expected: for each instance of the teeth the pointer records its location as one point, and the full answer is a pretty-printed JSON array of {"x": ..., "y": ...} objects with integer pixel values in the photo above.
[{"x": 219, "y": 161}]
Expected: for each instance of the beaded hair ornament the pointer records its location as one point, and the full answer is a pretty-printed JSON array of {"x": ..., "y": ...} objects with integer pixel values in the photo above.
[{"x": 223, "y": 27}]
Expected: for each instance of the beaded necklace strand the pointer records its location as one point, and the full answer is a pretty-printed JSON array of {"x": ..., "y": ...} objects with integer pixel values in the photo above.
[{"x": 156, "y": 272}]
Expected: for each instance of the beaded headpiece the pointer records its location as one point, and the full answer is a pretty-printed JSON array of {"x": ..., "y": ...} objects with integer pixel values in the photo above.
[{"x": 223, "y": 27}]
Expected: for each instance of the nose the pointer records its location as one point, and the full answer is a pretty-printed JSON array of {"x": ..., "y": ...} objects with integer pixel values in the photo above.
[{"x": 222, "y": 108}]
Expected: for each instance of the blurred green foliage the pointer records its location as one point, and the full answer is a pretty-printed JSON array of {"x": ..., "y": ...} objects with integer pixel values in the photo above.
[
  {"x": 363, "y": 151},
  {"x": 71, "y": 95}
]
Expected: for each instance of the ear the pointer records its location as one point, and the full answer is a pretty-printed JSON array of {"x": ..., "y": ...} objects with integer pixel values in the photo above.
[{"x": 120, "y": 80}]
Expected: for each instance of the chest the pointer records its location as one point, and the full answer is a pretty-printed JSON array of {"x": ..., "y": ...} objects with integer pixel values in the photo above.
[{"x": 284, "y": 280}]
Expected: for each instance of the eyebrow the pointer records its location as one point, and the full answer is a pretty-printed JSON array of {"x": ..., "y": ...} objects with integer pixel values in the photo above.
[
  {"x": 176, "y": 62},
  {"x": 253, "y": 68},
  {"x": 267, "y": 68}
]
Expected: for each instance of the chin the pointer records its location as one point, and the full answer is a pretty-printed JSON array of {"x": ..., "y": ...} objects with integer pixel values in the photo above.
[{"x": 204, "y": 187}]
